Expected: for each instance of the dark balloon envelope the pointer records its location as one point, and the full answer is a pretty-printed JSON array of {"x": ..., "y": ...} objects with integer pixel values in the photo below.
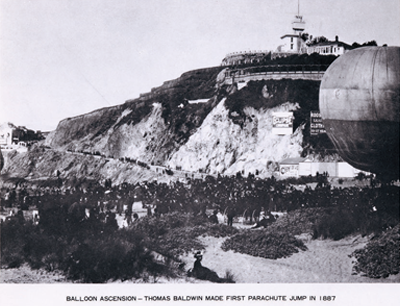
[{"x": 359, "y": 103}]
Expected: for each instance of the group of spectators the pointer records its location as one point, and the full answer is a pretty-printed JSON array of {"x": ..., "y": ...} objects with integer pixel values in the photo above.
[
  {"x": 248, "y": 197},
  {"x": 73, "y": 206}
]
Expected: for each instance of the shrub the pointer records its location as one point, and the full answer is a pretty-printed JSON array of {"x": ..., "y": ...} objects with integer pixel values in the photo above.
[
  {"x": 88, "y": 253},
  {"x": 299, "y": 221},
  {"x": 264, "y": 243},
  {"x": 169, "y": 172},
  {"x": 12, "y": 240},
  {"x": 229, "y": 277},
  {"x": 91, "y": 252},
  {"x": 175, "y": 233},
  {"x": 381, "y": 256},
  {"x": 100, "y": 260},
  {"x": 335, "y": 225}
]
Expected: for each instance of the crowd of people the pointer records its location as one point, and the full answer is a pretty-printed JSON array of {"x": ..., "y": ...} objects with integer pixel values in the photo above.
[{"x": 247, "y": 197}]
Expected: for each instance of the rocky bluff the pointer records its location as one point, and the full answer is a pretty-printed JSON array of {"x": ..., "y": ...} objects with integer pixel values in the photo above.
[{"x": 200, "y": 123}]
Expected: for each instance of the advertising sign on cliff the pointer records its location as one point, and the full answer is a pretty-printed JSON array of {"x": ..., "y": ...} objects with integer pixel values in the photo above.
[
  {"x": 289, "y": 170},
  {"x": 282, "y": 123},
  {"x": 316, "y": 125}
]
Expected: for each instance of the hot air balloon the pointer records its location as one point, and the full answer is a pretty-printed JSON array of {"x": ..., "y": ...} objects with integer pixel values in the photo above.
[{"x": 359, "y": 102}]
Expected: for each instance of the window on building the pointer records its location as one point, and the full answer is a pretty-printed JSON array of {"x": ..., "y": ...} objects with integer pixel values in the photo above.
[
  {"x": 291, "y": 46},
  {"x": 291, "y": 39}
]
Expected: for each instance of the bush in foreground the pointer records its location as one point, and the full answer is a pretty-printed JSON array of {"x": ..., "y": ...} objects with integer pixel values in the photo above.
[
  {"x": 381, "y": 256},
  {"x": 85, "y": 255},
  {"x": 337, "y": 222},
  {"x": 101, "y": 260},
  {"x": 176, "y": 233},
  {"x": 299, "y": 221},
  {"x": 91, "y": 252},
  {"x": 264, "y": 243},
  {"x": 335, "y": 225}
]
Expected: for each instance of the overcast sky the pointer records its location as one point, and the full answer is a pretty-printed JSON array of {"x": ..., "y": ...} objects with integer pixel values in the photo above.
[{"x": 62, "y": 58}]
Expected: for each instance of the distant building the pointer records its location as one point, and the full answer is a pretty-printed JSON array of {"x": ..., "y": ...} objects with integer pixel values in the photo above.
[
  {"x": 13, "y": 135},
  {"x": 298, "y": 166},
  {"x": 293, "y": 43},
  {"x": 335, "y": 47},
  {"x": 7, "y": 133}
]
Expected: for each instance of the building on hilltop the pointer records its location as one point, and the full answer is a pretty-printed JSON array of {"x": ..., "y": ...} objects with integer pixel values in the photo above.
[
  {"x": 335, "y": 47},
  {"x": 297, "y": 42},
  {"x": 6, "y": 134},
  {"x": 11, "y": 134},
  {"x": 293, "y": 43}
]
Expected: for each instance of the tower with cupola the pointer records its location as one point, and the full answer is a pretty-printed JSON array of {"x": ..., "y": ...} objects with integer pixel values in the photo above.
[{"x": 293, "y": 43}]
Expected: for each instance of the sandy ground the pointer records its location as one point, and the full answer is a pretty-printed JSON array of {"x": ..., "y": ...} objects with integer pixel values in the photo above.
[
  {"x": 325, "y": 261},
  {"x": 26, "y": 275}
]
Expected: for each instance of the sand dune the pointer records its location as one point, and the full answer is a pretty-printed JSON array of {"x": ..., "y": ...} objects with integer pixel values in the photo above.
[{"x": 325, "y": 261}]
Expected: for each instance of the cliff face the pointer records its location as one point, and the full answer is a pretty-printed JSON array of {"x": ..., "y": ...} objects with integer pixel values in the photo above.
[
  {"x": 195, "y": 123},
  {"x": 221, "y": 146},
  {"x": 81, "y": 131},
  {"x": 149, "y": 128}
]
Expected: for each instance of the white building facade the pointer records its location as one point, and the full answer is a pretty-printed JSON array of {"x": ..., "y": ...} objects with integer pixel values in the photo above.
[{"x": 330, "y": 48}]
